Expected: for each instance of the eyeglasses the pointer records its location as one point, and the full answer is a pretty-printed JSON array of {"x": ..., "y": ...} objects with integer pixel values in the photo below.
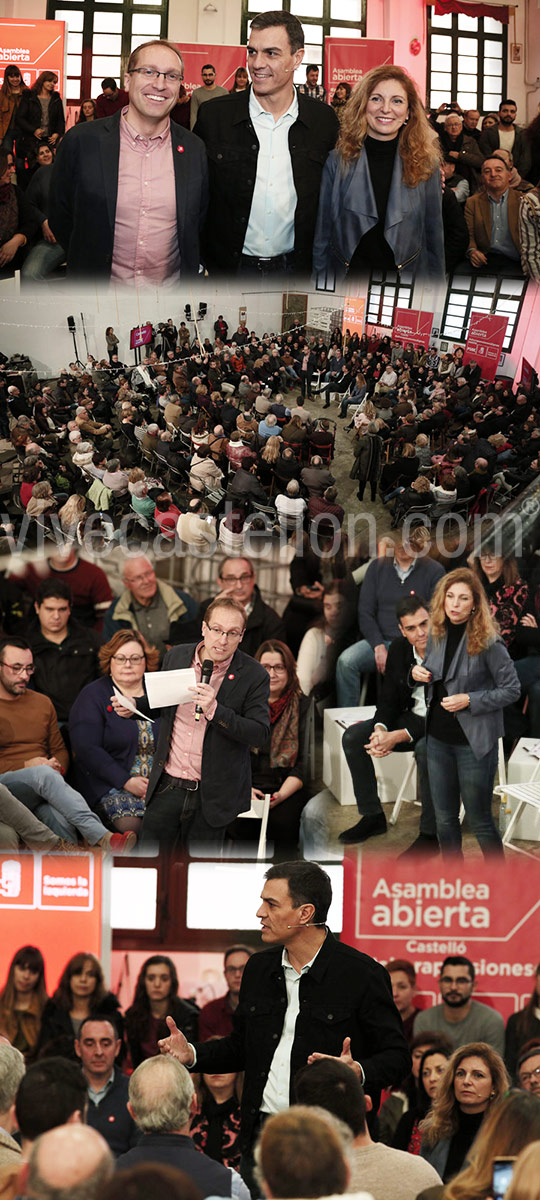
[
  {"x": 461, "y": 981},
  {"x": 275, "y": 670},
  {"x": 17, "y": 668},
  {"x": 153, "y": 73},
  {"x": 139, "y": 578},
  {"x": 236, "y": 578},
  {"x": 232, "y": 633},
  {"x": 234, "y": 970},
  {"x": 135, "y": 658},
  {"x": 525, "y": 1076}
]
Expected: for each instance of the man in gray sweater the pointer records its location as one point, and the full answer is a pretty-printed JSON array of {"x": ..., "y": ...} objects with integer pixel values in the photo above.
[{"x": 460, "y": 1017}]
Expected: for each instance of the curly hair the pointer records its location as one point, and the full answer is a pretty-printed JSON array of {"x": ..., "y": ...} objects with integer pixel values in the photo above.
[
  {"x": 482, "y": 630},
  {"x": 29, "y": 1019},
  {"x": 63, "y": 996},
  {"x": 510, "y": 1126},
  {"x": 443, "y": 1119},
  {"x": 121, "y": 638},
  {"x": 419, "y": 151}
]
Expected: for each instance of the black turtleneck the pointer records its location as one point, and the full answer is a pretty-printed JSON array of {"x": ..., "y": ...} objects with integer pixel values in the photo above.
[{"x": 373, "y": 249}]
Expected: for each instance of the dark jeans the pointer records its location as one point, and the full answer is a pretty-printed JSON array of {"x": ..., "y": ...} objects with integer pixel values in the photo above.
[
  {"x": 361, "y": 766},
  {"x": 454, "y": 772},
  {"x": 174, "y": 819}
]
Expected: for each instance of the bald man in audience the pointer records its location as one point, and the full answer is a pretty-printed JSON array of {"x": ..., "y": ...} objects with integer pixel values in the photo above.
[{"x": 72, "y": 1162}]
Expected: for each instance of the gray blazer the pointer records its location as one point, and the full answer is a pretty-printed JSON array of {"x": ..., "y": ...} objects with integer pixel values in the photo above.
[
  {"x": 413, "y": 225},
  {"x": 490, "y": 680}
]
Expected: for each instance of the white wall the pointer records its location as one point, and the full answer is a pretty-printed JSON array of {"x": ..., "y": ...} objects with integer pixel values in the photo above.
[{"x": 39, "y": 328}]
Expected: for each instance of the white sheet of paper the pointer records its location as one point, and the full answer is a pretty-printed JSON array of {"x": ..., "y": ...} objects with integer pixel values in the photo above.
[
  {"x": 165, "y": 688},
  {"x": 128, "y": 703}
]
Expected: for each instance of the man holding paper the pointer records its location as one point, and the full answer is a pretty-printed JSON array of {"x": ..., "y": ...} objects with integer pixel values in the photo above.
[{"x": 201, "y": 774}]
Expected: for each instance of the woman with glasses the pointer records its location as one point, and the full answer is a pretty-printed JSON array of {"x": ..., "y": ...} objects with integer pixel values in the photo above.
[
  {"x": 113, "y": 747},
  {"x": 280, "y": 767},
  {"x": 40, "y": 118}
]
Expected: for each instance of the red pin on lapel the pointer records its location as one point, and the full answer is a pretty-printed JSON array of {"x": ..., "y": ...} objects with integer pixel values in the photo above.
[
  {"x": 180, "y": 149},
  {"x": 230, "y": 676}
]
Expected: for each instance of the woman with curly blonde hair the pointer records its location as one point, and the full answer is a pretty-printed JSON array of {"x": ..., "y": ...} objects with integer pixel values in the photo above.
[
  {"x": 470, "y": 679},
  {"x": 381, "y": 196},
  {"x": 474, "y": 1079}
]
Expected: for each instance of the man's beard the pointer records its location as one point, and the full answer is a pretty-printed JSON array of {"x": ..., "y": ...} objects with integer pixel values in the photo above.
[{"x": 457, "y": 1001}]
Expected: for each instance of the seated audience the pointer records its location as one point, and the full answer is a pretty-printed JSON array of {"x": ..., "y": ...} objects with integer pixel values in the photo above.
[
  {"x": 81, "y": 992},
  {"x": 473, "y": 1081},
  {"x": 23, "y": 999},
  {"x": 156, "y": 997}
]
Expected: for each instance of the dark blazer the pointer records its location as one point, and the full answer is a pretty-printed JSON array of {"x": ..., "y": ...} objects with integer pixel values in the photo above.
[
  {"x": 84, "y": 187},
  {"x": 397, "y": 692},
  {"x": 490, "y": 680},
  {"x": 232, "y": 148},
  {"x": 178, "y": 1150},
  {"x": 344, "y": 994},
  {"x": 28, "y": 118},
  {"x": 241, "y": 720},
  {"x": 104, "y": 745}
]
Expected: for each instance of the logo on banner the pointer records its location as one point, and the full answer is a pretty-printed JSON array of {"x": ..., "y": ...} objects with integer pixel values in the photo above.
[{"x": 425, "y": 914}]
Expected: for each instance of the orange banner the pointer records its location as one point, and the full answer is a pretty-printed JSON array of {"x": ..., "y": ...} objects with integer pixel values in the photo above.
[{"x": 353, "y": 314}]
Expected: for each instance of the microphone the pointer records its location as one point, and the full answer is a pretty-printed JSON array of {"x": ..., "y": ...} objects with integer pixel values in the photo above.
[
  {"x": 306, "y": 925},
  {"x": 206, "y": 675}
]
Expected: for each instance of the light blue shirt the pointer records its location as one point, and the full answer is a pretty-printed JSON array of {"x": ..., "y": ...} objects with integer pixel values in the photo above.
[
  {"x": 501, "y": 239},
  {"x": 270, "y": 228}
]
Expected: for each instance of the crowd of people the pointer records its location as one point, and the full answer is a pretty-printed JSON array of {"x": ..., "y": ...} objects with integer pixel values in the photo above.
[
  {"x": 393, "y": 1100},
  {"x": 370, "y": 178},
  {"x": 119, "y": 452}
]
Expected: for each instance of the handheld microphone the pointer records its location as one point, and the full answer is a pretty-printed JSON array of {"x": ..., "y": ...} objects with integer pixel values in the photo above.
[{"x": 206, "y": 675}]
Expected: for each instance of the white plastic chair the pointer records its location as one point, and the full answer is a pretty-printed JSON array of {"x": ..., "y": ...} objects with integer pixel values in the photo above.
[{"x": 259, "y": 811}]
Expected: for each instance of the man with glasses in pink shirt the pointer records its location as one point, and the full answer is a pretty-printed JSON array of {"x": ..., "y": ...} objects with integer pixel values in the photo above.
[
  {"x": 201, "y": 774},
  {"x": 129, "y": 192}
]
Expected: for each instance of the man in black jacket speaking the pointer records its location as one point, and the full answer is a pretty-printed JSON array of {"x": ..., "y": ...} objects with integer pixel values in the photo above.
[
  {"x": 306, "y": 994},
  {"x": 266, "y": 150},
  {"x": 399, "y": 724}
]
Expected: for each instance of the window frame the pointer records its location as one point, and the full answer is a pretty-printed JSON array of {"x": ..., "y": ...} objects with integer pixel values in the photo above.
[
  {"x": 326, "y": 21},
  {"x": 127, "y": 9},
  {"x": 480, "y": 36},
  {"x": 472, "y": 293},
  {"x": 384, "y": 280}
]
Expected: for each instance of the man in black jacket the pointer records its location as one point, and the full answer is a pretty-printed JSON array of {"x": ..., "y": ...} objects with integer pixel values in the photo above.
[
  {"x": 105, "y": 171},
  {"x": 306, "y": 994},
  {"x": 65, "y": 650},
  {"x": 266, "y": 150},
  {"x": 399, "y": 724}
]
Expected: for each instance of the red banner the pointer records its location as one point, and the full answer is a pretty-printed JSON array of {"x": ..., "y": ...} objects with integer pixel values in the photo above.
[
  {"x": 485, "y": 342},
  {"x": 225, "y": 59},
  {"x": 140, "y": 336},
  {"x": 424, "y": 912},
  {"x": 55, "y": 902},
  {"x": 527, "y": 374},
  {"x": 412, "y": 325},
  {"x": 497, "y": 12},
  {"x": 33, "y": 46},
  {"x": 346, "y": 60}
]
